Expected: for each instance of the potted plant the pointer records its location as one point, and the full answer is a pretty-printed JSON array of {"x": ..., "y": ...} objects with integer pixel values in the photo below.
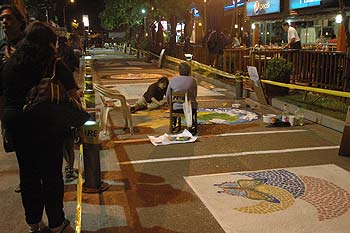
[{"x": 278, "y": 70}]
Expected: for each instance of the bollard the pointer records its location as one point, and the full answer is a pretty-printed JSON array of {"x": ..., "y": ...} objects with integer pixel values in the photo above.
[
  {"x": 88, "y": 69},
  {"x": 239, "y": 88},
  {"x": 89, "y": 98},
  {"x": 88, "y": 82},
  {"x": 344, "y": 149},
  {"x": 124, "y": 48},
  {"x": 91, "y": 152}
]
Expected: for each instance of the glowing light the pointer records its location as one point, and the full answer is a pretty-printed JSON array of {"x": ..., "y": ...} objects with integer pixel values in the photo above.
[
  {"x": 188, "y": 56},
  {"x": 338, "y": 18},
  {"x": 90, "y": 123},
  {"x": 86, "y": 20},
  {"x": 253, "y": 26}
]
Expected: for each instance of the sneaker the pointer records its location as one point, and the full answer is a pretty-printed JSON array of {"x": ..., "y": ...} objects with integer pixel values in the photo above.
[
  {"x": 70, "y": 176},
  {"x": 38, "y": 227},
  {"x": 64, "y": 228}
]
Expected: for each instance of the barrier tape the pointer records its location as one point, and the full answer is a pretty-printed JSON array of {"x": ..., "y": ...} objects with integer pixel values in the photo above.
[
  {"x": 213, "y": 70},
  {"x": 230, "y": 76},
  {"x": 79, "y": 193},
  {"x": 312, "y": 89},
  {"x": 202, "y": 66},
  {"x": 173, "y": 59}
]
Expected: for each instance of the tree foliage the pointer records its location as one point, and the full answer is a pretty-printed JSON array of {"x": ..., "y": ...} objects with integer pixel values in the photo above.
[{"x": 121, "y": 14}]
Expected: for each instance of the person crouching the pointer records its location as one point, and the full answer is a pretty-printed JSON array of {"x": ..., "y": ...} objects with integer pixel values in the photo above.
[{"x": 153, "y": 98}]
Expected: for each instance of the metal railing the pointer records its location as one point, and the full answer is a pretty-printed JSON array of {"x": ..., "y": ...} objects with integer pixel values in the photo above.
[
  {"x": 301, "y": 62},
  {"x": 312, "y": 68}
]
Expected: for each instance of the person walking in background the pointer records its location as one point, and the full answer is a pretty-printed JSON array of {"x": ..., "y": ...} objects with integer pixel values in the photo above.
[
  {"x": 184, "y": 82},
  {"x": 66, "y": 53},
  {"x": 153, "y": 97},
  {"x": 235, "y": 41},
  {"x": 75, "y": 44},
  {"x": 13, "y": 24},
  {"x": 213, "y": 47},
  {"x": 187, "y": 49},
  {"x": 246, "y": 39},
  {"x": 293, "y": 37},
  {"x": 38, "y": 135}
]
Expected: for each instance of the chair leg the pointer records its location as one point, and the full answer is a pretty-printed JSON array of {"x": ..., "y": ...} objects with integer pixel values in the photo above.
[
  {"x": 179, "y": 123},
  {"x": 193, "y": 129},
  {"x": 106, "y": 121},
  {"x": 129, "y": 118},
  {"x": 171, "y": 123}
]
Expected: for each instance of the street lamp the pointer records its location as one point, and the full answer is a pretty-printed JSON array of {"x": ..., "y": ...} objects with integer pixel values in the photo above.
[
  {"x": 143, "y": 11},
  {"x": 64, "y": 12}
]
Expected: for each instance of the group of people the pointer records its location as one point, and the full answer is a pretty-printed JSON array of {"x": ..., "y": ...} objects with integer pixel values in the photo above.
[
  {"x": 153, "y": 98},
  {"x": 28, "y": 54}
]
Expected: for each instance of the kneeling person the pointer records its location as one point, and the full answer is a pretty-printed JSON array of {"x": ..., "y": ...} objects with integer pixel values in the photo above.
[{"x": 153, "y": 97}]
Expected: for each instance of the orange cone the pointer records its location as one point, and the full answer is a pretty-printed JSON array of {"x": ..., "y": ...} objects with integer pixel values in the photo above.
[{"x": 345, "y": 141}]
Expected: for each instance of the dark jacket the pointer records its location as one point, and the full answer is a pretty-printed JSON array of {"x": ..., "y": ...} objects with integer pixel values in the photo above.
[{"x": 67, "y": 54}]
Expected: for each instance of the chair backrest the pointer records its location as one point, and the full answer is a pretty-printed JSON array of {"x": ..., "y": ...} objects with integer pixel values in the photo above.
[
  {"x": 110, "y": 94},
  {"x": 176, "y": 97}
]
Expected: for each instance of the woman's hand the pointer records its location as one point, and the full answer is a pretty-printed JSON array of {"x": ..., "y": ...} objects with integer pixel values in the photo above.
[{"x": 74, "y": 96}]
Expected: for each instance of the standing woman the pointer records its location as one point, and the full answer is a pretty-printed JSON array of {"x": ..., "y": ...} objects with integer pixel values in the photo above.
[{"x": 37, "y": 135}]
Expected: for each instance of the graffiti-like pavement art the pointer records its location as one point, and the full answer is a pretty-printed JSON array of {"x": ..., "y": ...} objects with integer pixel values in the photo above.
[{"x": 299, "y": 199}]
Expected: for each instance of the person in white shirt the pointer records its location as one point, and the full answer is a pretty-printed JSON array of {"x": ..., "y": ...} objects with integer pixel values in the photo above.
[{"x": 293, "y": 37}]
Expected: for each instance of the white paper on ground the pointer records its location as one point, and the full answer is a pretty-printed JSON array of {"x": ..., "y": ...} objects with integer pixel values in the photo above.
[{"x": 167, "y": 139}]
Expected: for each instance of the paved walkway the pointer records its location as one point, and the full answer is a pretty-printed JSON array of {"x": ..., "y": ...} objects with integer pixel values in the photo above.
[{"x": 235, "y": 178}]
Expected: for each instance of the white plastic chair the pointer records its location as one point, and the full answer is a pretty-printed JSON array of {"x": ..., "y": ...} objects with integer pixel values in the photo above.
[{"x": 112, "y": 100}]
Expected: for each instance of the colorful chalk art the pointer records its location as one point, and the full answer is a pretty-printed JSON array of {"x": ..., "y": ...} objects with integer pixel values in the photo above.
[
  {"x": 225, "y": 116},
  {"x": 302, "y": 199}
]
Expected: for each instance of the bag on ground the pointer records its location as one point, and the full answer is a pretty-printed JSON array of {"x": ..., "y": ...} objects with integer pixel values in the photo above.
[{"x": 187, "y": 108}]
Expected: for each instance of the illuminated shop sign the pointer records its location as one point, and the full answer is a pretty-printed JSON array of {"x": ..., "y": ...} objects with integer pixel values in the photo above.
[
  {"x": 262, "y": 7},
  {"x": 297, "y": 4},
  {"x": 231, "y": 6},
  {"x": 195, "y": 12}
]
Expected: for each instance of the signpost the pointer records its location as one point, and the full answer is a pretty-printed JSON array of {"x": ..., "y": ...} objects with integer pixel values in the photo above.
[{"x": 254, "y": 77}]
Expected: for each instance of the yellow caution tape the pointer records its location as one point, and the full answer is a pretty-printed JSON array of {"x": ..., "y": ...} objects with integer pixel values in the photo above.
[
  {"x": 231, "y": 76},
  {"x": 213, "y": 70},
  {"x": 79, "y": 193},
  {"x": 311, "y": 89},
  {"x": 202, "y": 66},
  {"x": 174, "y": 59}
]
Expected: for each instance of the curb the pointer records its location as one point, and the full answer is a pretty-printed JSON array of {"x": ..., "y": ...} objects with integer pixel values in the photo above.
[{"x": 315, "y": 117}]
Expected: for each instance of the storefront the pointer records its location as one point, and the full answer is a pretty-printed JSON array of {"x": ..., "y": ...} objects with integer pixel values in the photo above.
[
  {"x": 315, "y": 21},
  {"x": 235, "y": 21}
]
